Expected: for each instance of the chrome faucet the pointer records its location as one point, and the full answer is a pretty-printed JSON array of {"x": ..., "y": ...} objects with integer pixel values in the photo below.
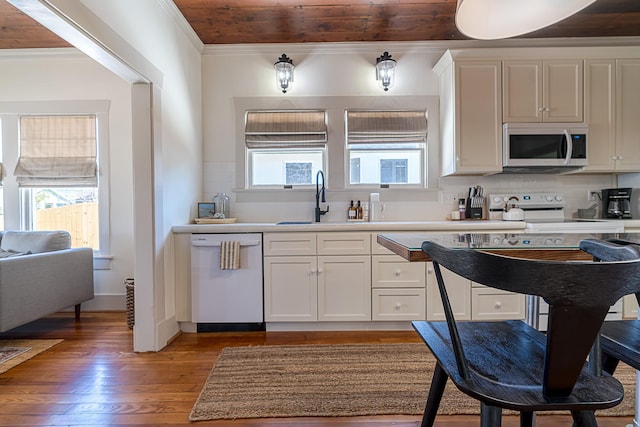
[{"x": 320, "y": 197}]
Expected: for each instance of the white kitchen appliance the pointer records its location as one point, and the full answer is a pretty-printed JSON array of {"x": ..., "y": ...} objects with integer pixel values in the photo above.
[
  {"x": 544, "y": 147},
  {"x": 546, "y": 223},
  {"x": 545, "y": 213},
  {"x": 226, "y": 299}
]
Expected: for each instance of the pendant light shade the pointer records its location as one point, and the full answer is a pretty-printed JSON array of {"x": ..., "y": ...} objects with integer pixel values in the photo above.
[
  {"x": 499, "y": 19},
  {"x": 284, "y": 72}
]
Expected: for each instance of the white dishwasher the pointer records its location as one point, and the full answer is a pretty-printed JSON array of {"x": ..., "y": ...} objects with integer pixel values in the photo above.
[{"x": 226, "y": 299}]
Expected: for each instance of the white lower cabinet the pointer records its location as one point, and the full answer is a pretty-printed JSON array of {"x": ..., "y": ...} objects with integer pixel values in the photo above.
[
  {"x": 333, "y": 284},
  {"x": 344, "y": 288},
  {"x": 290, "y": 289},
  {"x": 471, "y": 301},
  {"x": 494, "y": 304},
  {"x": 398, "y": 289},
  {"x": 458, "y": 292},
  {"x": 338, "y": 277}
]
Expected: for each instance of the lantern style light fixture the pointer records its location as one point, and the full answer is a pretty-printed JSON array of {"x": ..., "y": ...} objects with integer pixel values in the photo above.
[
  {"x": 385, "y": 71},
  {"x": 284, "y": 72},
  {"x": 499, "y": 19}
]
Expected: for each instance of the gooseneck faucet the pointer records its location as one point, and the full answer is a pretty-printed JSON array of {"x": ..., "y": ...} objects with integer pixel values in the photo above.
[{"x": 320, "y": 197}]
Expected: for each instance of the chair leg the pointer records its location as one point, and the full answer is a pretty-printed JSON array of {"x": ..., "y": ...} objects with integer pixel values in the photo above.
[
  {"x": 490, "y": 416},
  {"x": 77, "y": 310},
  {"x": 527, "y": 419},
  {"x": 436, "y": 390},
  {"x": 584, "y": 419}
]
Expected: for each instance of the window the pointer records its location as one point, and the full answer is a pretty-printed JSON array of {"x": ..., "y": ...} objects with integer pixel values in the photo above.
[
  {"x": 57, "y": 175},
  {"x": 285, "y": 148},
  {"x": 386, "y": 147},
  {"x": 56, "y": 171},
  {"x": 393, "y": 171}
]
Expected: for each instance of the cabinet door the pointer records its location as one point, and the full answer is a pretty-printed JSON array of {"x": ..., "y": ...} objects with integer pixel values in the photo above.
[
  {"x": 537, "y": 91},
  {"x": 290, "y": 289},
  {"x": 522, "y": 91},
  {"x": 458, "y": 290},
  {"x": 562, "y": 91},
  {"x": 627, "y": 115},
  {"x": 599, "y": 105},
  {"x": 478, "y": 127},
  {"x": 344, "y": 288}
]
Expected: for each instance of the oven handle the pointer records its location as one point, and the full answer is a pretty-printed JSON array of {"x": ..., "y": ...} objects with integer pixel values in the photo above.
[
  {"x": 569, "y": 147},
  {"x": 214, "y": 244}
]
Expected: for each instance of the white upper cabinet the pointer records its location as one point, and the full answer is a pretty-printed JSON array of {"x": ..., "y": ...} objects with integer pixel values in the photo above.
[
  {"x": 612, "y": 102},
  {"x": 628, "y": 115},
  {"x": 543, "y": 91},
  {"x": 470, "y": 116}
]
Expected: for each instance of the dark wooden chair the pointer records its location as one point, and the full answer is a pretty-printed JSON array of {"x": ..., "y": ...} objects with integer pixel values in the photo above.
[
  {"x": 619, "y": 339},
  {"x": 510, "y": 365}
]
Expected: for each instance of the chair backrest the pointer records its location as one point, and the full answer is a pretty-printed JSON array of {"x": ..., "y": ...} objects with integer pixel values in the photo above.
[{"x": 579, "y": 294}]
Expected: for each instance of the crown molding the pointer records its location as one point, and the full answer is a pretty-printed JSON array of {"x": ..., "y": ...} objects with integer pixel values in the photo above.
[
  {"x": 410, "y": 47},
  {"x": 178, "y": 18},
  {"x": 59, "y": 52}
]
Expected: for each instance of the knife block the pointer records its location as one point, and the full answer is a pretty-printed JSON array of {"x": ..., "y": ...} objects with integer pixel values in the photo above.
[{"x": 475, "y": 208}]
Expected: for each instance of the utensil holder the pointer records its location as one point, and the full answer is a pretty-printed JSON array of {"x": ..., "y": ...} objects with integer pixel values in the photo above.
[{"x": 475, "y": 208}]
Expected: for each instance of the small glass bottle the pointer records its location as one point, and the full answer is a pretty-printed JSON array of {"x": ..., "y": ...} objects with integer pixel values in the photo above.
[
  {"x": 462, "y": 208},
  {"x": 222, "y": 203},
  {"x": 351, "y": 213}
]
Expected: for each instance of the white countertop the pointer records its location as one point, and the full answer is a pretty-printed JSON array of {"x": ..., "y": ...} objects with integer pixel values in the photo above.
[{"x": 454, "y": 226}]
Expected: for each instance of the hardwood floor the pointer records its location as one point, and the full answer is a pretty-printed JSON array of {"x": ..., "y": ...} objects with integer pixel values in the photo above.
[{"x": 94, "y": 378}]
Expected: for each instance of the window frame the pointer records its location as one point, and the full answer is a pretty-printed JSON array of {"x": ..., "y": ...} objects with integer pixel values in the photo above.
[
  {"x": 19, "y": 217},
  {"x": 335, "y": 170}
]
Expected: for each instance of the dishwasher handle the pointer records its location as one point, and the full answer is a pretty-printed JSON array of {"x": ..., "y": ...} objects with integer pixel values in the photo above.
[{"x": 205, "y": 243}]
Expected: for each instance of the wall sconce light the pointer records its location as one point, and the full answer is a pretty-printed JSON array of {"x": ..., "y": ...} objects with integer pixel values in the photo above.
[
  {"x": 385, "y": 70},
  {"x": 284, "y": 72},
  {"x": 499, "y": 19}
]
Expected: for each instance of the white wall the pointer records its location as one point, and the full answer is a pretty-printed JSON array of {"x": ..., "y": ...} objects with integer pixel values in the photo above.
[
  {"x": 148, "y": 43},
  {"x": 72, "y": 76},
  {"x": 332, "y": 70}
]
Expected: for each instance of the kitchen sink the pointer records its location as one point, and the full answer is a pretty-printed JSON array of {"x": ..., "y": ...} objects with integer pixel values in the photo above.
[{"x": 293, "y": 222}]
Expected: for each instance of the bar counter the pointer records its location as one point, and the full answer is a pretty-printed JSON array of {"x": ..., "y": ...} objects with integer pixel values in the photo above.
[{"x": 560, "y": 246}]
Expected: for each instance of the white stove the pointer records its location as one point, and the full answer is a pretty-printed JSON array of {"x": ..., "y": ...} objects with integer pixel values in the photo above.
[{"x": 544, "y": 213}]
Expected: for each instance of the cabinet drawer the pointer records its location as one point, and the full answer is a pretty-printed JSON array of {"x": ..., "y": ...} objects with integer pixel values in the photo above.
[
  {"x": 493, "y": 304},
  {"x": 289, "y": 244},
  {"x": 398, "y": 304},
  {"x": 392, "y": 271},
  {"x": 344, "y": 244}
]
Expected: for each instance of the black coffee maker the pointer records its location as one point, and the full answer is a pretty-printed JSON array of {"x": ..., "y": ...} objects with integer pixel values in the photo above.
[{"x": 616, "y": 203}]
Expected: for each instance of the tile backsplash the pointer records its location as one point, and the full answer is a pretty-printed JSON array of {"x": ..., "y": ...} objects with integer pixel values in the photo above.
[{"x": 430, "y": 205}]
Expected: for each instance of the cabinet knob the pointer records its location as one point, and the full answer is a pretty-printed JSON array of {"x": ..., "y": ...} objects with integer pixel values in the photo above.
[
  {"x": 498, "y": 305},
  {"x": 397, "y": 273},
  {"x": 397, "y": 307}
]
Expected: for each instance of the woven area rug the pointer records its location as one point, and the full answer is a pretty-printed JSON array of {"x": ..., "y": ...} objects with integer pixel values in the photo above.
[
  {"x": 337, "y": 380},
  {"x": 14, "y": 352}
]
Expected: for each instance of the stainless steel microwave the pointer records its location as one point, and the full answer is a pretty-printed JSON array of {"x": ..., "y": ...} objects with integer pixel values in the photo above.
[{"x": 543, "y": 146}]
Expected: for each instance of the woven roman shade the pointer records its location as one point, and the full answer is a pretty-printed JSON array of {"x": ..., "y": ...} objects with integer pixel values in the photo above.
[
  {"x": 57, "y": 151},
  {"x": 286, "y": 129},
  {"x": 386, "y": 127}
]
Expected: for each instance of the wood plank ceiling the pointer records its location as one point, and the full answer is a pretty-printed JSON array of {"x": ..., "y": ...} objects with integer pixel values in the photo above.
[{"x": 303, "y": 21}]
